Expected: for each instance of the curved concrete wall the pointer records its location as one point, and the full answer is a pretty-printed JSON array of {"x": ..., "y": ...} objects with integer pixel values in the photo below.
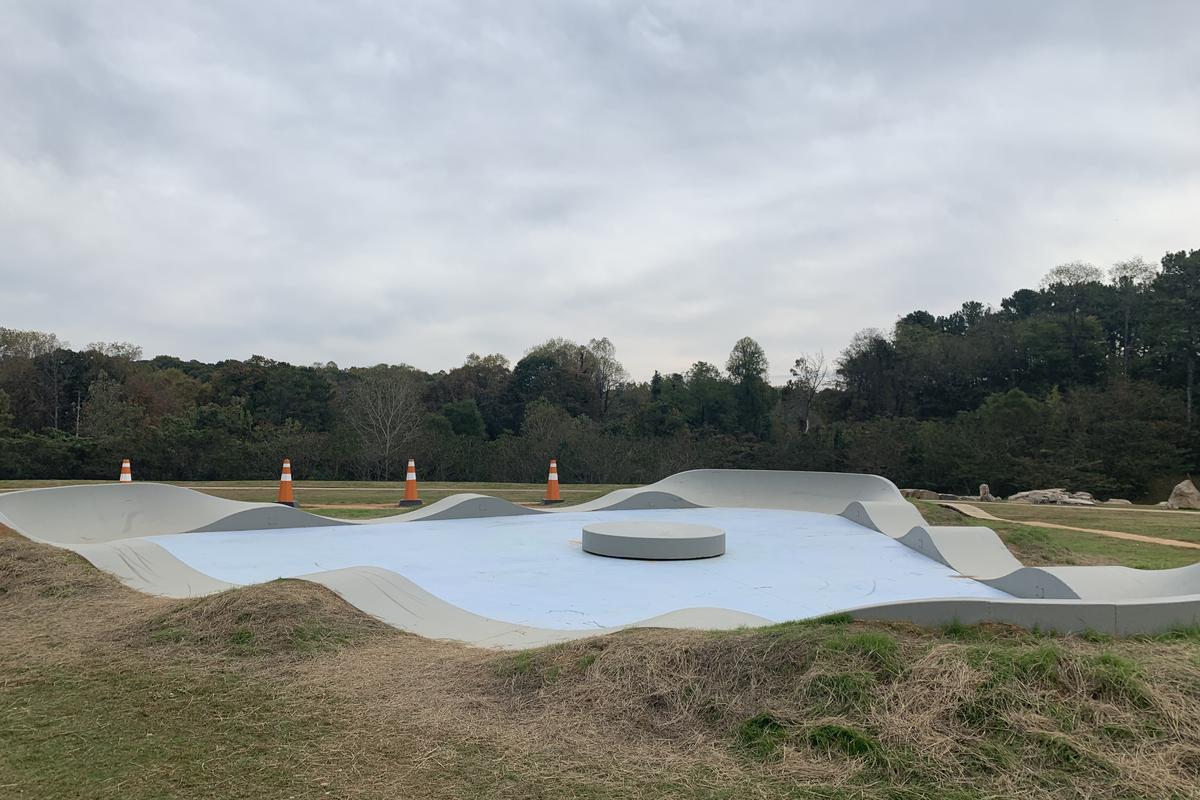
[
  {"x": 68, "y": 515},
  {"x": 460, "y": 506},
  {"x": 979, "y": 553},
  {"x": 824, "y": 492},
  {"x": 1117, "y": 618},
  {"x": 1100, "y": 582},
  {"x": 149, "y": 568},
  {"x": 108, "y": 511},
  {"x": 269, "y": 517}
]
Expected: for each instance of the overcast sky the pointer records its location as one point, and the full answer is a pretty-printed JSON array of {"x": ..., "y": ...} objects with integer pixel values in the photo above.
[{"x": 410, "y": 181}]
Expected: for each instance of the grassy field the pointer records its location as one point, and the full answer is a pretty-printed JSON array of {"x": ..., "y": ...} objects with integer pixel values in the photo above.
[
  {"x": 284, "y": 691},
  {"x": 1044, "y": 546},
  {"x": 1148, "y": 522}
]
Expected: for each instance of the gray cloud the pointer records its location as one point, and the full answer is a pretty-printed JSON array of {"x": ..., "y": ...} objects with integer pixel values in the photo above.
[{"x": 369, "y": 182}]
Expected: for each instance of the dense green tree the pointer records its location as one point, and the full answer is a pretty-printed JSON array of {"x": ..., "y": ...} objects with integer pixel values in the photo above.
[
  {"x": 107, "y": 415},
  {"x": 1178, "y": 319},
  {"x": 753, "y": 398},
  {"x": 464, "y": 418},
  {"x": 747, "y": 361},
  {"x": 542, "y": 376},
  {"x": 710, "y": 400},
  {"x": 1131, "y": 279},
  {"x": 869, "y": 375},
  {"x": 6, "y": 416},
  {"x": 483, "y": 379}
]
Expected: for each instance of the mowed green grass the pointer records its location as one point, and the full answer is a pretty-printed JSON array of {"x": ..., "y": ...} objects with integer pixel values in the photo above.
[
  {"x": 1181, "y": 525},
  {"x": 1037, "y": 546}
]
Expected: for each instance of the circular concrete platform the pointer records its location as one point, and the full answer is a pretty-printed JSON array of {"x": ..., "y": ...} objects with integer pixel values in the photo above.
[{"x": 655, "y": 541}]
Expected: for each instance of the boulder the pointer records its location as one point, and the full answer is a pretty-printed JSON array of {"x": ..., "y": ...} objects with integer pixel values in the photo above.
[
  {"x": 1058, "y": 497},
  {"x": 1036, "y": 496},
  {"x": 950, "y": 497},
  {"x": 985, "y": 493},
  {"x": 919, "y": 494},
  {"x": 1116, "y": 501},
  {"x": 1185, "y": 495}
]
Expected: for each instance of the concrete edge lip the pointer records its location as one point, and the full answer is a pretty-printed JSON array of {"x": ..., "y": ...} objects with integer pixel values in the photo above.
[{"x": 653, "y": 541}]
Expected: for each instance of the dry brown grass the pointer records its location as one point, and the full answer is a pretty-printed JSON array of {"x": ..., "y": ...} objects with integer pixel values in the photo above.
[
  {"x": 842, "y": 709},
  {"x": 282, "y": 690}
]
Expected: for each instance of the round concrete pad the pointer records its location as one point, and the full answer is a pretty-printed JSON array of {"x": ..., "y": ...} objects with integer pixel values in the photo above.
[{"x": 656, "y": 541}]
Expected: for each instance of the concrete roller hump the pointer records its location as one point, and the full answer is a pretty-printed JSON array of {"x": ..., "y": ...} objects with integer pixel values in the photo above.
[{"x": 67, "y": 515}]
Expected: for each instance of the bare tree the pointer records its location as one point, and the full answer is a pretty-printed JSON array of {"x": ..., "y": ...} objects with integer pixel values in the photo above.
[
  {"x": 123, "y": 350},
  {"x": 385, "y": 410},
  {"x": 1134, "y": 271},
  {"x": 28, "y": 344},
  {"x": 810, "y": 374},
  {"x": 1072, "y": 273}
]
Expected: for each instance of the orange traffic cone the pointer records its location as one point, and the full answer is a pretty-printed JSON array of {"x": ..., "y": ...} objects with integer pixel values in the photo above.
[
  {"x": 410, "y": 486},
  {"x": 286, "y": 498},
  {"x": 126, "y": 472},
  {"x": 552, "y": 485}
]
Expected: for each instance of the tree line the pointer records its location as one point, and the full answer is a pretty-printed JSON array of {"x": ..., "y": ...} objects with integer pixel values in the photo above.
[{"x": 1087, "y": 381}]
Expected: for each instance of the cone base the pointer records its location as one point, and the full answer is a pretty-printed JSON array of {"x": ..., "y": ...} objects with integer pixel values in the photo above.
[
  {"x": 289, "y": 503},
  {"x": 547, "y": 502},
  {"x": 410, "y": 502}
]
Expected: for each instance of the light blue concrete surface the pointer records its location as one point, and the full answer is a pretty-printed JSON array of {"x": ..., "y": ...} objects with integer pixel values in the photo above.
[{"x": 531, "y": 570}]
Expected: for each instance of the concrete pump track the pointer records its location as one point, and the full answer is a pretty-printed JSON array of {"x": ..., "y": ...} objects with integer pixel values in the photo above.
[{"x": 485, "y": 571}]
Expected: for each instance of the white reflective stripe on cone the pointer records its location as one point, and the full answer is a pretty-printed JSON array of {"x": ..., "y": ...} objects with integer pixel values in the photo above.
[{"x": 287, "y": 476}]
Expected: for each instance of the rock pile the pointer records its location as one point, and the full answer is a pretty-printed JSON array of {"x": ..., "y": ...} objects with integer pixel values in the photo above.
[
  {"x": 928, "y": 494},
  {"x": 1058, "y": 497}
]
